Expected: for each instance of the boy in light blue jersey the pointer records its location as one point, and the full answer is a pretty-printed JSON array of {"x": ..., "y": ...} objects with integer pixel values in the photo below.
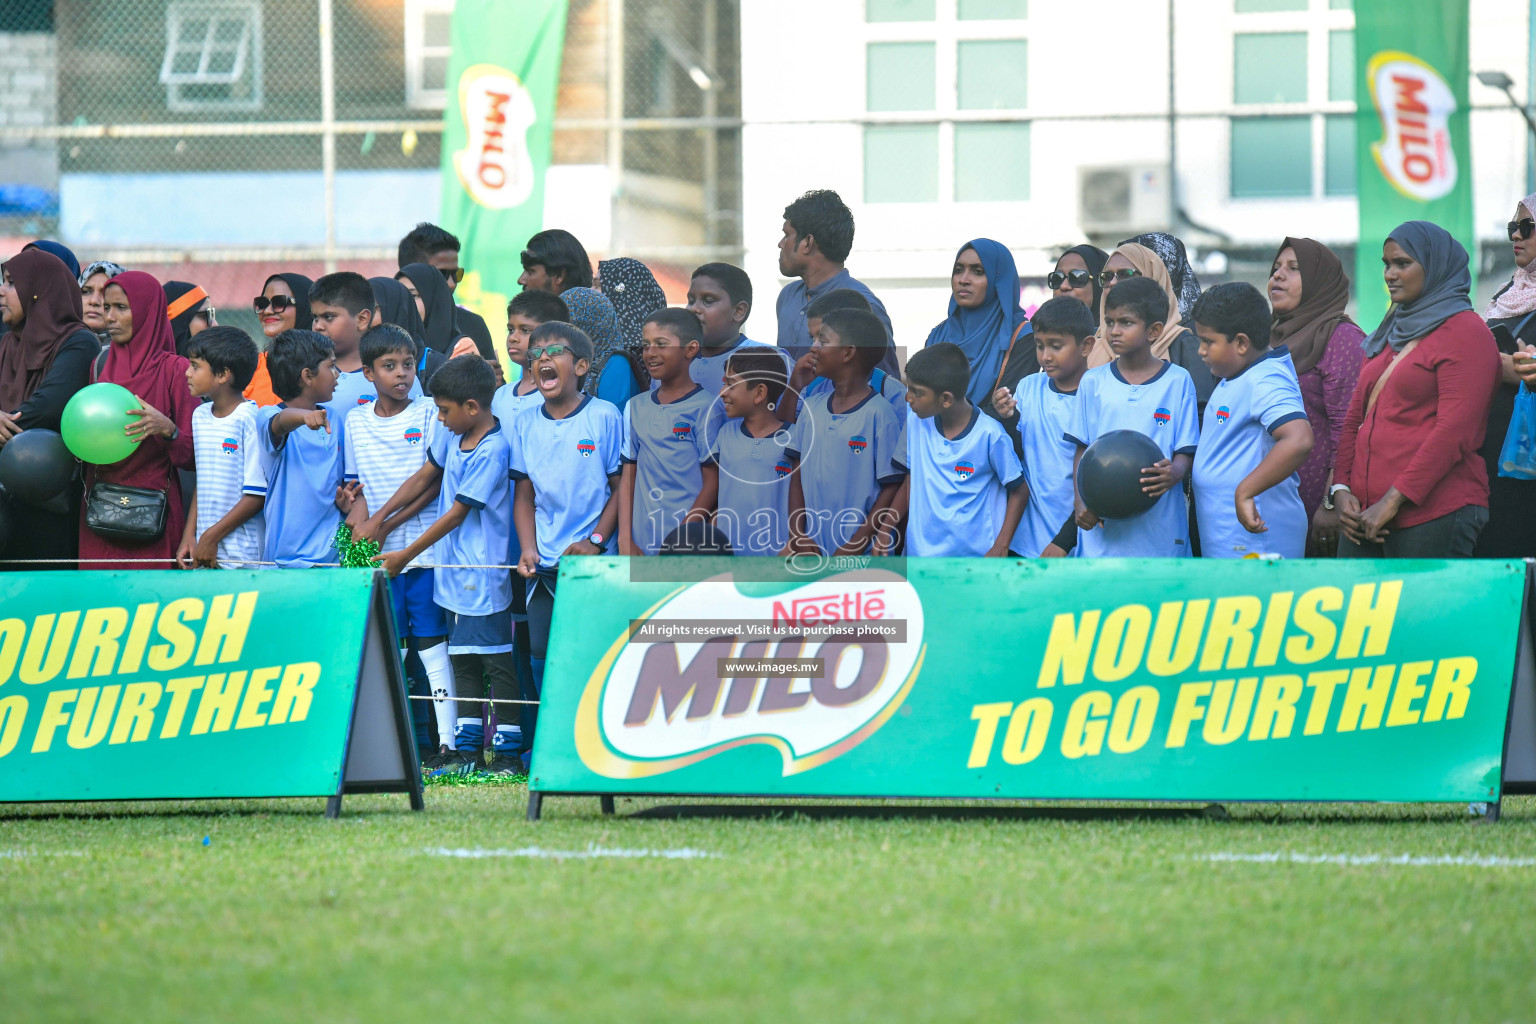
[
  {"x": 804, "y": 380},
  {"x": 1255, "y": 435},
  {"x": 845, "y": 440},
  {"x": 470, "y": 534},
  {"x": 386, "y": 443},
  {"x": 225, "y": 528},
  {"x": 720, "y": 295},
  {"x": 565, "y": 459},
  {"x": 964, "y": 482},
  {"x": 525, "y": 312},
  {"x": 1039, "y": 411},
  {"x": 305, "y": 448},
  {"x": 754, "y": 457},
  {"x": 342, "y": 305},
  {"x": 1138, "y": 391},
  {"x": 668, "y": 476}
]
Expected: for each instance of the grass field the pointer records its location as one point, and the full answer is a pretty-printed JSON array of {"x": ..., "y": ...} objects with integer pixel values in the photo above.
[{"x": 463, "y": 913}]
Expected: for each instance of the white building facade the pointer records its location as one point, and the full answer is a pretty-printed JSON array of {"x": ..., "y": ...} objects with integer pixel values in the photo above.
[{"x": 939, "y": 121}]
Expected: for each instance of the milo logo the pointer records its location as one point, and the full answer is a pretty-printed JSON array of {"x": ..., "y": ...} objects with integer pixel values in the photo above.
[
  {"x": 494, "y": 166},
  {"x": 1415, "y": 105},
  {"x": 654, "y": 707}
]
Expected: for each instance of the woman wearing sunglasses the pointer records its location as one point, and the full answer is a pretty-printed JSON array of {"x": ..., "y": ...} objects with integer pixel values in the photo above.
[
  {"x": 1307, "y": 294},
  {"x": 283, "y": 304},
  {"x": 1077, "y": 276},
  {"x": 1177, "y": 343},
  {"x": 1512, "y": 318}
]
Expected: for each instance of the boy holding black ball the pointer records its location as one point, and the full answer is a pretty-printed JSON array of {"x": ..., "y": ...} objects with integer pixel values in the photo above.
[{"x": 1140, "y": 392}]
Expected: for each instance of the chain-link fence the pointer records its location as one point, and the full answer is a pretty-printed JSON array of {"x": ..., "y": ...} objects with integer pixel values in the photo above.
[{"x": 241, "y": 136}]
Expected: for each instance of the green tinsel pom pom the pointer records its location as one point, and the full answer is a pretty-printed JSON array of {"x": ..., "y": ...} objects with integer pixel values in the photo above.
[{"x": 359, "y": 555}]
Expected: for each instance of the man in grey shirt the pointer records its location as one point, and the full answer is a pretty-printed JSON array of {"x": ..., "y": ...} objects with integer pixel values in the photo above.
[{"x": 818, "y": 234}]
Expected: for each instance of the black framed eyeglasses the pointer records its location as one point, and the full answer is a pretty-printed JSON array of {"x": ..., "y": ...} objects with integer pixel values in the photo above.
[
  {"x": 279, "y": 303},
  {"x": 1109, "y": 277},
  {"x": 452, "y": 275},
  {"x": 1522, "y": 228},
  {"x": 553, "y": 351},
  {"x": 1076, "y": 278}
]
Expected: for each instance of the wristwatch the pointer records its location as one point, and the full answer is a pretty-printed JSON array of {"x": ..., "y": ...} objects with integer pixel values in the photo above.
[
  {"x": 596, "y": 538},
  {"x": 1335, "y": 489}
]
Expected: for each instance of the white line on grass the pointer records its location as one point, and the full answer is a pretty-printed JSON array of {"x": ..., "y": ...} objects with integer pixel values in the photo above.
[
  {"x": 1358, "y": 859},
  {"x": 18, "y": 854},
  {"x": 590, "y": 853}
]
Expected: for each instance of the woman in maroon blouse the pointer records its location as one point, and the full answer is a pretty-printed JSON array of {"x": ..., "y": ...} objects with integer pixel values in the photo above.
[
  {"x": 1308, "y": 292},
  {"x": 1408, "y": 480},
  {"x": 143, "y": 359}
]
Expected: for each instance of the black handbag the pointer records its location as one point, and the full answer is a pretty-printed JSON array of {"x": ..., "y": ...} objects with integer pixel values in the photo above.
[{"x": 127, "y": 515}]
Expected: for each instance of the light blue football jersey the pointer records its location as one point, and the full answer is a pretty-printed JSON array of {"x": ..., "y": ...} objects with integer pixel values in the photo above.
[
  {"x": 302, "y": 477},
  {"x": 568, "y": 461},
  {"x": 958, "y": 487},
  {"x": 1045, "y": 416},
  {"x": 481, "y": 479},
  {"x": 753, "y": 509},
  {"x": 1163, "y": 408},
  {"x": 1238, "y": 432},
  {"x": 845, "y": 460},
  {"x": 665, "y": 443}
]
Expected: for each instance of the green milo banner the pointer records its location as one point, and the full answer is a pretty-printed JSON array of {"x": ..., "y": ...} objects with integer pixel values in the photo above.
[
  {"x": 1176, "y": 679},
  {"x": 502, "y": 80},
  {"x": 147, "y": 685},
  {"x": 1413, "y": 142}
]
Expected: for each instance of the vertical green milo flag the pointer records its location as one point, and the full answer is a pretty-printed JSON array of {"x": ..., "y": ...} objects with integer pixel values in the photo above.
[
  {"x": 502, "y": 80},
  {"x": 1413, "y": 148}
]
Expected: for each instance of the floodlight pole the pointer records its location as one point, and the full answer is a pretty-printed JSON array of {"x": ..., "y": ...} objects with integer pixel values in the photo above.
[{"x": 328, "y": 131}]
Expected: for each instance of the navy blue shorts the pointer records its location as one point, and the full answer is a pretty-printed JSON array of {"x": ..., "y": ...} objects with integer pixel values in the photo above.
[
  {"x": 481, "y": 634},
  {"x": 416, "y": 614}
]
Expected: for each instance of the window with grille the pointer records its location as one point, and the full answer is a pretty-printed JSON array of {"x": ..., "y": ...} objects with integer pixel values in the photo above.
[
  {"x": 427, "y": 47},
  {"x": 212, "y": 56},
  {"x": 947, "y": 83}
]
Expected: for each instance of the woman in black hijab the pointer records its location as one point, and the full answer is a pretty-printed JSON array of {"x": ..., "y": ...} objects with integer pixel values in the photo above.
[
  {"x": 396, "y": 305},
  {"x": 435, "y": 304},
  {"x": 1076, "y": 276},
  {"x": 187, "y": 306}
]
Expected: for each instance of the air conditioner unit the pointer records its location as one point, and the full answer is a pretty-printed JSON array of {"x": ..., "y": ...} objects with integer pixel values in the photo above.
[{"x": 1123, "y": 201}]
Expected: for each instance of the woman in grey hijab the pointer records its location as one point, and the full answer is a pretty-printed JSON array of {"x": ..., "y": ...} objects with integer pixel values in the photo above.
[
  {"x": 1408, "y": 480},
  {"x": 1180, "y": 271}
]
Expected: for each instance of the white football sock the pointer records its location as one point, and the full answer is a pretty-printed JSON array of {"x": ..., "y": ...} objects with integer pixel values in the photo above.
[{"x": 440, "y": 678}]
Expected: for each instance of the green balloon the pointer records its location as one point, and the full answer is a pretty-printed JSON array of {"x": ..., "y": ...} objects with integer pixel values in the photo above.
[{"x": 94, "y": 421}]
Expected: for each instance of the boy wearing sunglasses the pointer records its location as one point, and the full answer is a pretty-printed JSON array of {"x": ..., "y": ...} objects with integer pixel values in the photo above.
[
  {"x": 668, "y": 476},
  {"x": 565, "y": 459}
]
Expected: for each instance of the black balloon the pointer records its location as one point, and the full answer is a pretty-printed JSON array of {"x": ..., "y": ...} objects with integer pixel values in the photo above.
[
  {"x": 1109, "y": 476},
  {"x": 35, "y": 467}
]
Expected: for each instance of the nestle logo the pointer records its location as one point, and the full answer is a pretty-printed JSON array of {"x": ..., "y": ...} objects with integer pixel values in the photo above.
[{"x": 813, "y": 611}]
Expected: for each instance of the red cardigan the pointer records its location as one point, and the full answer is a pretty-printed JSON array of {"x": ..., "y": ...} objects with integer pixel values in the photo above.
[{"x": 1423, "y": 434}]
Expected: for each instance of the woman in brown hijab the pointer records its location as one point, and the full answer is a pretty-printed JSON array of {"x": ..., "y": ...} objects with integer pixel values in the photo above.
[
  {"x": 45, "y": 357},
  {"x": 1307, "y": 293}
]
